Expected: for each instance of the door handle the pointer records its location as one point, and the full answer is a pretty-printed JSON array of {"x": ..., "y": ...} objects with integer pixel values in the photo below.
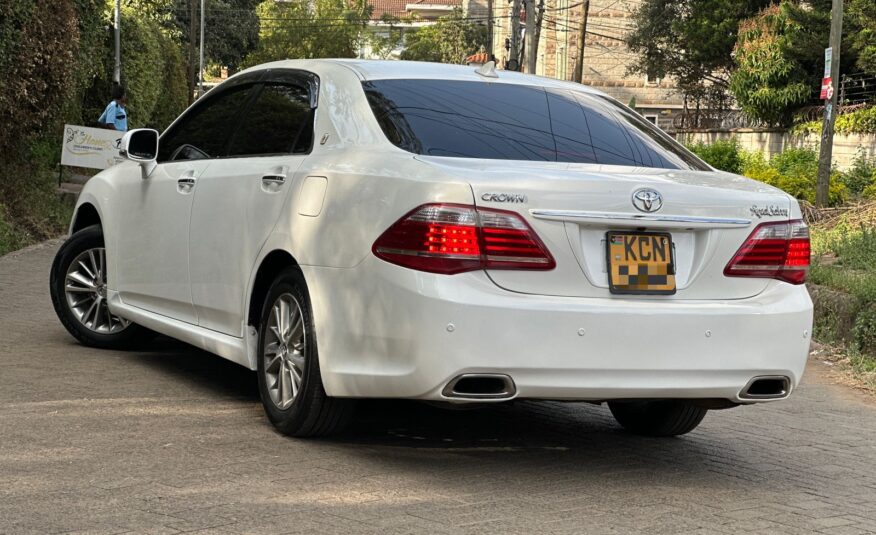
[
  {"x": 274, "y": 179},
  {"x": 185, "y": 184}
]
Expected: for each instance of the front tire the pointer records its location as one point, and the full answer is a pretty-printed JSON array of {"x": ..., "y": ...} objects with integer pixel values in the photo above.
[
  {"x": 289, "y": 379},
  {"x": 78, "y": 287},
  {"x": 661, "y": 418}
]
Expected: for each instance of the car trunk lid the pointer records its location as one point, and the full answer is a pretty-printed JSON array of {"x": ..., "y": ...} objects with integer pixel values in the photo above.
[{"x": 708, "y": 214}]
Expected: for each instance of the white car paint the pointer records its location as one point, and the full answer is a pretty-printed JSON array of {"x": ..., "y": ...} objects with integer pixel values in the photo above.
[{"x": 184, "y": 263}]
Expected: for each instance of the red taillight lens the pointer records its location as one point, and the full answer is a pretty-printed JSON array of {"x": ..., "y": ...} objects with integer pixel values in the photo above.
[
  {"x": 774, "y": 250},
  {"x": 452, "y": 238}
]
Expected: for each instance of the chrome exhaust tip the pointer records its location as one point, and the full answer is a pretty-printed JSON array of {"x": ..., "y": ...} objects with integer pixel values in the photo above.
[
  {"x": 767, "y": 387},
  {"x": 480, "y": 386}
]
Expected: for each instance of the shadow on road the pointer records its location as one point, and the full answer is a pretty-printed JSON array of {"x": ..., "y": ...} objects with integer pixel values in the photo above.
[{"x": 514, "y": 426}]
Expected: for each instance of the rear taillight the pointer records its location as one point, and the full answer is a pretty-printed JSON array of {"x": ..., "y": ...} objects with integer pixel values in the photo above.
[
  {"x": 774, "y": 250},
  {"x": 453, "y": 238}
]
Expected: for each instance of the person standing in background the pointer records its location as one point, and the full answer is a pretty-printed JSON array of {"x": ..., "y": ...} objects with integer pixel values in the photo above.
[{"x": 115, "y": 116}]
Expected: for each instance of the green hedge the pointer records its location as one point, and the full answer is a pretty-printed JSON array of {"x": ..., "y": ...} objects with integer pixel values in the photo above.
[
  {"x": 173, "y": 99},
  {"x": 794, "y": 171},
  {"x": 857, "y": 122},
  {"x": 38, "y": 54}
]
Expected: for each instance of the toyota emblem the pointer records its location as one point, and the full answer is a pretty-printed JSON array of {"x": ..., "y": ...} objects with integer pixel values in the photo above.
[{"x": 647, "y": 200}]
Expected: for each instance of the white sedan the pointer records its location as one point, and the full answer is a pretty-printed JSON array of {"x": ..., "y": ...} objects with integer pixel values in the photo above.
[{"x": 367, "y": 229}]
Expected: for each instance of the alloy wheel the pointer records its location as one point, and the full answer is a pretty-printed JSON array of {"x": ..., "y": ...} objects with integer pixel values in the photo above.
[
  {"x": 85, "y": 289},
  {"x": 284, "y": 350}
]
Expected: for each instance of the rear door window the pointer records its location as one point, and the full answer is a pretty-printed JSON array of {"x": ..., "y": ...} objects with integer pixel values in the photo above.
[{"x": 514, "y": 122}]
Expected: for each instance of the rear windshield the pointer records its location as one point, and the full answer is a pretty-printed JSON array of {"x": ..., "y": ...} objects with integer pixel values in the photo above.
[{"x": 487, "y": 120}]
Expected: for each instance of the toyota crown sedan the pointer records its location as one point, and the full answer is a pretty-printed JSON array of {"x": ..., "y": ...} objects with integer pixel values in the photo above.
[{"x": 368, "y": 229}]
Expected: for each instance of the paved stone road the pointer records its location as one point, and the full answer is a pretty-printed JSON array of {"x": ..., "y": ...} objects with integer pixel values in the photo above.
[{"x": 169, "y": 439}]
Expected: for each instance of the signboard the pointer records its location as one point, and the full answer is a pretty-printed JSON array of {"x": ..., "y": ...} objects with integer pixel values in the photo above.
[
  {"x": 828, "y": 55},
  {"x": 826, "y": 88},
  {"x": 94, "y": 148}
]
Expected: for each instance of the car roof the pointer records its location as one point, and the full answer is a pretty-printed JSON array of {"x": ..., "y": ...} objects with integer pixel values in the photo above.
[{"x": 391, "y": 69}]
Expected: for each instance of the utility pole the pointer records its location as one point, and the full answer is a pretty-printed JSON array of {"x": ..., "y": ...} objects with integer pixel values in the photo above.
[
  {"x": 830, "y": 106},
  {"x": 117, "y": 67},
  {"x": 531, "y": 46},
  {"x": 578, "y": 75},
  {"x": 539, "y": 19},
  {"x": 190, "y": 64},
  {"x": 514, "y": 52},
  {"x": 490, "y": 28},
  {"x": 201, "y": 63}
]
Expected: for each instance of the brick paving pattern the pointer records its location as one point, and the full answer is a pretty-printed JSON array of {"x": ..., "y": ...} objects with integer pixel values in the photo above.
[{"x": 169, "y": 439}]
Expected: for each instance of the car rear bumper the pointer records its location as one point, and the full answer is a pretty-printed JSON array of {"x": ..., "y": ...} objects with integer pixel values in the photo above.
[{"x": 386, "y": 331}]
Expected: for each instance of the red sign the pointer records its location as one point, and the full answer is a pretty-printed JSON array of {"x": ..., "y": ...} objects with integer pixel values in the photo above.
[{"x": 826, "y": 88}]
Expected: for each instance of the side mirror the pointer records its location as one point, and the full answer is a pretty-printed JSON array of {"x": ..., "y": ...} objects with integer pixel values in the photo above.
[{"x": 141, "y": 145}]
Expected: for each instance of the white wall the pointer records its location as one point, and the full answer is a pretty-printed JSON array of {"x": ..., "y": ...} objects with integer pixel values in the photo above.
[{"x": 846, "y": 147}]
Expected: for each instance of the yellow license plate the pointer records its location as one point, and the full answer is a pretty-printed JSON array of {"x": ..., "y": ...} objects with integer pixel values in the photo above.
[{"x": 640, "y": 263}]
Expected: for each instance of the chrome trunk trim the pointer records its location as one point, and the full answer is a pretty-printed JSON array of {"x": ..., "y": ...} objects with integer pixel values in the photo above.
[{"x": 638, "y": 220}]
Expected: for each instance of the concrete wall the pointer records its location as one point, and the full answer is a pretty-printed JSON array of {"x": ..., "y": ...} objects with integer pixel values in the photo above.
[{"x": 770, "y": 142}]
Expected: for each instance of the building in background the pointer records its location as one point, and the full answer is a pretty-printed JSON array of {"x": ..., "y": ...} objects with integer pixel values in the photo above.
[
  {"x": 606, "y": 57},
  {"x": 410, "y": 14}
]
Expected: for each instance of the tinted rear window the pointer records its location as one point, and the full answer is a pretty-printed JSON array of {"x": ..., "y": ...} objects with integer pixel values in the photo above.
[{"x": 515, "y": 122}]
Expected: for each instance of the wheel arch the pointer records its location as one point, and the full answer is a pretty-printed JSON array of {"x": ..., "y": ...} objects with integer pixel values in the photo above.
[
  {"x": 271, "y": 265},
  {"x": 86, "y": 215}
]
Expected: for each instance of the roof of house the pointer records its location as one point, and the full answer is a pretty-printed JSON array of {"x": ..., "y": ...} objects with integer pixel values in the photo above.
[{"x": 398, "y": 8}]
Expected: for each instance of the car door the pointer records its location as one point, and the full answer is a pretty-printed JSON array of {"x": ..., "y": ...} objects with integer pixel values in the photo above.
[
  {"x": 238, "y": 199},
  {"x": 153, "y": 245}
]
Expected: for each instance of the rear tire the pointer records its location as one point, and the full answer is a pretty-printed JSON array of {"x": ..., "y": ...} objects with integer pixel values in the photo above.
[
  {"x": 290, "y": 384},
  {"x": 77, "y": 284},
  {"x": 661, "y": 418}
]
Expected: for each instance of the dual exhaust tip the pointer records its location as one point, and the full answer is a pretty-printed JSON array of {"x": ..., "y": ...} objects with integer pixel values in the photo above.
[{"x": 495, "y": 386}]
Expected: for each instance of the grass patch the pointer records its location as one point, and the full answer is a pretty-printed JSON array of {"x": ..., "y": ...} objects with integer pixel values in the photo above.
[
  {"x": 30, "y": 207},
  {"x": 844, "y": 270}
]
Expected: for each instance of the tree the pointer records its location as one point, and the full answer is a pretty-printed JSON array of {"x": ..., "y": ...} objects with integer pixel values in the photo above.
[
  {"x": 231, "y": 30},
  {"x": 863, "y": 41},
  {"x": 316, "y": 29},
  {"x": 690, "y": 40},
  {"x": 769, "y": 84},
  {"x": 450, "y": 40},
  {"x": 387, "y": 37}
]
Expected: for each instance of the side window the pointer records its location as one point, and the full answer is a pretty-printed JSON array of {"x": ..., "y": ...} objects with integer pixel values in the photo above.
[
  {"x": 280, "y": 121},
  {"x": 204, "y": 132},
  {"x": 590, "y": 126},
  {"x": 464, "y": 119}
]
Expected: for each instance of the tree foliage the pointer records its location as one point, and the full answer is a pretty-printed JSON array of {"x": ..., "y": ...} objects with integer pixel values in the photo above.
[
  {"x": 450, "y": 40},
  {"x": 174, "y": 90},
  {"x": 38, "y": 51},
  {"x": 863, "y": 41},
  {"x": 690, "y": 40},
  {"x": 387, "y": 37},
  {"x": 768, "y": 82},
  {"x": 317, "y": 29}
]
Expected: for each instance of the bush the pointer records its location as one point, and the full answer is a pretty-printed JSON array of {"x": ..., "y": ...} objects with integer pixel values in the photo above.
[
  {"x": 856, "y": 122},
  {"x": 861, "y": 175},
  {"x": 794, "y": 171},
  {"x": 722, "y": 154}
]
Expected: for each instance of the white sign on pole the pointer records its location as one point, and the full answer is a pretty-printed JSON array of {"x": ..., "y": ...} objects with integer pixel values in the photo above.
[
  {"x": 828, "y": 54},
  {"x": 94, "y": 148}
]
